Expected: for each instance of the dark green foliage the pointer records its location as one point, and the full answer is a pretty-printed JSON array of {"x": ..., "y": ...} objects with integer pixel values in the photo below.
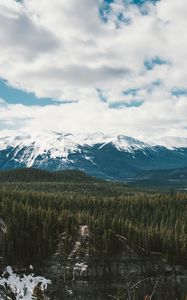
[
  {"x": 37, "y": 214},
  {"x": 37, "y": 175},
  {"x": 170, "y": 178}
]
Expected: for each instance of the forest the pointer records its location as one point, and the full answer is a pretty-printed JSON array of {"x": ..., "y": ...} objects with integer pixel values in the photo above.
[{"x": 37, "y": 213}]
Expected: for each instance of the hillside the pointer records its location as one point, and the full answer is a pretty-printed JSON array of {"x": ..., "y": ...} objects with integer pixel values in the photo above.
[
  {"x": 38, "y": 175},
  {"x": 173, "y": 177},
  {"x": 40, "y": 214}
]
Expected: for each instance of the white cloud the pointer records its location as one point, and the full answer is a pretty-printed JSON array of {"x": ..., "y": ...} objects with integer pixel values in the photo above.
[
  {"x": 64, "y": 50},
  {"x": 2, "y": 101}
]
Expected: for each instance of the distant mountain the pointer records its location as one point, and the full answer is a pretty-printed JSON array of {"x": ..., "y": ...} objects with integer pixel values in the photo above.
[
  {"x": 110, "y": 157},
  {"x": 169, "y": 177}
]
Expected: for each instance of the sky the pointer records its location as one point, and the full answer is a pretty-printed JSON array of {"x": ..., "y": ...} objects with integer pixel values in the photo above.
[{"x": 111, "y": 66}]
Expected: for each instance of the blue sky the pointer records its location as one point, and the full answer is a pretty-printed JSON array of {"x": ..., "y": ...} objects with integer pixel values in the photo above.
[
  {"x": 136, "y": 2},
  {"x": 113, "y": 66},
  {"x": 13, "y": 95}
]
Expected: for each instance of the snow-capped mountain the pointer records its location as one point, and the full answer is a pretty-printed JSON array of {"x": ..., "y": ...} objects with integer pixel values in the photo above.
[{"x": 117, "y": 157}]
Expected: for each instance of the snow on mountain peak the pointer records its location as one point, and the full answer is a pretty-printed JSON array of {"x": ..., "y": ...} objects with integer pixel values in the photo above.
[
  {"x": 60, "y": 145},
  {"x": 127, "y": 143},
  {"x": 56, "y": 144}
]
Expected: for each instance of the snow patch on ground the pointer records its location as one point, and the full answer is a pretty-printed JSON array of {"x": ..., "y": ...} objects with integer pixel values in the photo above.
[{"x": 22, "y": 286}]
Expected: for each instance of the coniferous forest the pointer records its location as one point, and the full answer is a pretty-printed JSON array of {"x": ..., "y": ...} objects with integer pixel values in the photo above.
[{"x": 38, "y": 208}]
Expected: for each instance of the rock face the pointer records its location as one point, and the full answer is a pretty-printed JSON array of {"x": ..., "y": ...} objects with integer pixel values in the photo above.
[
  {"x": 75, "y": 265},
  {"x": 113, "y": 157},
  {"x": 3, "y": 230},
  {"x": 81, "y": 276},
  {"x": 2, "y": 227}
]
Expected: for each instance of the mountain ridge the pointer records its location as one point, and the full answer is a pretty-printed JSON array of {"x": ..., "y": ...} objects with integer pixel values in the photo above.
[{"x": 109, "y": 157}]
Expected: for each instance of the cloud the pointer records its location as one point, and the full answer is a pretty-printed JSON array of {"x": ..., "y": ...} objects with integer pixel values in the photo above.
[
  {"x": 21, "y": 33},
  {"x": 87, "y": 117},
  {"x": 116, "y": 66},
  {"x": 2, "y": 101}
]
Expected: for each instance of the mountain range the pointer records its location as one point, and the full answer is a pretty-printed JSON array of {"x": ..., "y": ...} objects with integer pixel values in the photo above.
[{"x": 110, "y": 157}]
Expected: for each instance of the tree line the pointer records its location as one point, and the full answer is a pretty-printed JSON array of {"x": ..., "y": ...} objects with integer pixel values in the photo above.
[{"x": 37, "y": 214}]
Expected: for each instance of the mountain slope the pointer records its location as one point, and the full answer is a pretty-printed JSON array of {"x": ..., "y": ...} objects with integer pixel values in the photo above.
[
  {"x": 111, "y": 157},
  {"x": 171, "y": 175}
]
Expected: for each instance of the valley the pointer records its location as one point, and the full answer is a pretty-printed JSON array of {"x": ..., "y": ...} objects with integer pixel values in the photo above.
[{"x": 93, "y": 238}]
